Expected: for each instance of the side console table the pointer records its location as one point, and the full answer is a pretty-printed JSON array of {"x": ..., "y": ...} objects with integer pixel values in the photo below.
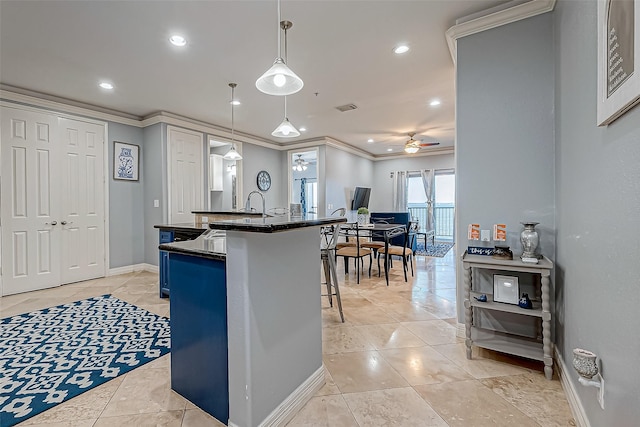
[{"x": 506, "y": 342}]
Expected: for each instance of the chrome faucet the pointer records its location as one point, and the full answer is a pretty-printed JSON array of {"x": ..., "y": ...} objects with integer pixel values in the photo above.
[{"x": 247, "y": 205}]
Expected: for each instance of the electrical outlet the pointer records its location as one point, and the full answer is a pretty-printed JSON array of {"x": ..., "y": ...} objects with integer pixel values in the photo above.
[
  {"x": 330, "y": 206},
  {"x": 601, "y": 392},
  {"x": 485, "y": 235},
  {"x": 156, "y": 203}
]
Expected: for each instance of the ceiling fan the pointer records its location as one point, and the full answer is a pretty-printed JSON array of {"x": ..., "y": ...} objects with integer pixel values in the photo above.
[{"x": 413, "y": 145}]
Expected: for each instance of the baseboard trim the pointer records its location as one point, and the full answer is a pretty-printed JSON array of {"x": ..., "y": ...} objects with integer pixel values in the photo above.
[
  {"x": 460, "y": 331},
  {"x": 132, "y": 268},
  {"x": 575, "y": 404},
  {"x": 295, "y": 401},
  {"x": 150, "y": 268}
]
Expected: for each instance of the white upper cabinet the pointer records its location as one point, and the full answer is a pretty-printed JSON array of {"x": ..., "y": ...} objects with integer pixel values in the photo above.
[{"x": 215, "y": 172}]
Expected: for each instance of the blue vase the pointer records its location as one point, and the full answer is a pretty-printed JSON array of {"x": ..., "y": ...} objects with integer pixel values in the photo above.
[{"x": 525, "y": 302}]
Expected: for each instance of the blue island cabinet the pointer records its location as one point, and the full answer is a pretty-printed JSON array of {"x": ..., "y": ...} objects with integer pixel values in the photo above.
[
  {"x": 199, "y": 349},
  {"x": 166, "y": 236}
]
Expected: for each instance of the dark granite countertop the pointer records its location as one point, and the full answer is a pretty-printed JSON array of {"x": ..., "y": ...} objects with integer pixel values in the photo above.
[
  {"x": 234, "y": 213},
  {"x": 210, "y": 245},
  {"x": 273, "y": 224},
  {"x": 186, "y": 226}
]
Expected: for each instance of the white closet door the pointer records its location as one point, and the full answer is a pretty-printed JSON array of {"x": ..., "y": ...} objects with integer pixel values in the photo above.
[
  {"x": 30, "y": 201},
  {"x": 82, "y": 210},
  {"x": 185, "y": 174}
]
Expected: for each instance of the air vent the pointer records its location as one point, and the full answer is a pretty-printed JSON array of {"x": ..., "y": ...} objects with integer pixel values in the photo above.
[{"x": 346, "y": 107}]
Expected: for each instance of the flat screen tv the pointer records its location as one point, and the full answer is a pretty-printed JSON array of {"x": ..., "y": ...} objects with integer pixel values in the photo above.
[{"x": 360, "y": 198}]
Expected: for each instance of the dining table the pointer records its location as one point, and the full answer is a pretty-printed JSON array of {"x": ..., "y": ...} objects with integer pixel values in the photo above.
[{"x": 375, "y": 230}]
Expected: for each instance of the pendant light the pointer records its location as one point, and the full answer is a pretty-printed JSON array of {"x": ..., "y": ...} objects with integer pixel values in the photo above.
[
  {"x": 232, "y": 154},
  {"x": 285, "y": 129},
  {"x": 279, "y": 80}
]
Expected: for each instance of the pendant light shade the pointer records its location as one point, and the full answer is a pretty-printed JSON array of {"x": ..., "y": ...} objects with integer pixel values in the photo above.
[
  {"x": 279, "y": 80},
  {"x": 232, "y": 154},
  {"x": 285, "y": 129}
]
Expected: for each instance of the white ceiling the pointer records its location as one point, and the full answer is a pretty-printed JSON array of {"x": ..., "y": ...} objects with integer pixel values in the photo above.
[{"x": 341, "y": 49}]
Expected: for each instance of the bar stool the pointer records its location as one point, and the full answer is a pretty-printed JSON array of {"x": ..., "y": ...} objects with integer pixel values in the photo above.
[{"x": 327, "y": 255}]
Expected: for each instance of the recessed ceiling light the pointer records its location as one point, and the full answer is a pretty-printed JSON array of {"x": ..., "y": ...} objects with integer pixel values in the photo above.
[
  {"x": 178, "y": 40},
  {"x": 370, "y": 140},
  {"x": 106, "y": 85},
  {"x": 401, "y": 48},
  {"x": 389, "y": 149},
  {"x": 234, "y": 102},
  {"x": 435, "y": 102},
  {"x": 303, "y": 129}
]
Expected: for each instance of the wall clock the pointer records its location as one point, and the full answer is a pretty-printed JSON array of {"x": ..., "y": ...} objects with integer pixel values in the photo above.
[{"x": 263, "y": 180}]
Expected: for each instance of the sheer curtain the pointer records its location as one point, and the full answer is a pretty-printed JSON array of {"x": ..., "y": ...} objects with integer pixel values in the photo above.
[
  {"x": 400, "y": 185},
  {"x": 428, "y": 180}
]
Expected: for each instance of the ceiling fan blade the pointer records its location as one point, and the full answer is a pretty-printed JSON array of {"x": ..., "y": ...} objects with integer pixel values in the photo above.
[{"x": 429, "y": 144}]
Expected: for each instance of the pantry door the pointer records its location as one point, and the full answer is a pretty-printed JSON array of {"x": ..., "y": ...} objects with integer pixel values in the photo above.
[
  {"x": 30, "y": 199},
  {"x": 185, "y": 170},
  {"x": 82, "y": 211}
]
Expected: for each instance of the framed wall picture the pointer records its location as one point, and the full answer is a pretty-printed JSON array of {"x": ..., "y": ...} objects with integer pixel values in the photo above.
[
  {"x": 506, "y": 289},
  {"x": 126, "y": 161},
  {"x": 618, "y": 58}
]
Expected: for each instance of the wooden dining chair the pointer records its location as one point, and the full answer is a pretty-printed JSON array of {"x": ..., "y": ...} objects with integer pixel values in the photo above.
[
  {"x": 356, "y": 251},
  {"x": 405, "y": 251}
]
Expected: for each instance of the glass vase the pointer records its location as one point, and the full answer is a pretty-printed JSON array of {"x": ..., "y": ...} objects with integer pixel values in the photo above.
[{"x": 529, "y": 239}]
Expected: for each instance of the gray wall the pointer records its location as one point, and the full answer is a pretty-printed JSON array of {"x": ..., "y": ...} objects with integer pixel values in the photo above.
[
  {"x": 256, "y": 158},
  {"x": 126, "y": 222},
  {"x": 155, "y": 173},
  {"x": 505, "y": 132},
  {"x": 343, "y": 173},
  {"x": 382, "y": 197},
  {"x": 598, "y": 207}
]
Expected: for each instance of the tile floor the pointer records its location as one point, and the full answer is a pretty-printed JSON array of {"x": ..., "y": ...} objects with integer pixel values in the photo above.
[{"x": 396, "y": 361}]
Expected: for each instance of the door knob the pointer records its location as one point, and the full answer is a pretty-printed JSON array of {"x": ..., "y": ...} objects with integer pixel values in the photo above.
[
  {"x": 65, "y": 222},
  {"x": 51, "y": 223}
]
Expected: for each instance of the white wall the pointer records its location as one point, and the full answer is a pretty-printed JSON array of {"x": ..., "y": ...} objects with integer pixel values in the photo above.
[
  {"x": 505, "y": 133},
  {"x": 343, "y": 173},
  {"x": 382, "y": 195},
  {"x": 126, "y": 203},
  {"x": 598, "y": 211},
  {"x": 256, "y": 158}
]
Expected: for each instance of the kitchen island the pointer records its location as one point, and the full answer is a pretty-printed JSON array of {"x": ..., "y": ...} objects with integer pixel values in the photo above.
[
  {"x": 246, "y": 324},
  {"x": 188, "y": 231}
]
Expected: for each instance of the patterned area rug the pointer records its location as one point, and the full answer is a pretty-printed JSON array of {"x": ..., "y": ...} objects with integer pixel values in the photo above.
[
  {"x": 52, "y": 355},
  {"x": 439, "y": 250}
]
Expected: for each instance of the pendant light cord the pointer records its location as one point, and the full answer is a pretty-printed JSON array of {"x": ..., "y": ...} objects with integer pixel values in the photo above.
[
  {"x": 232, "y": 118},
  {"x": 278, "y": 27}
]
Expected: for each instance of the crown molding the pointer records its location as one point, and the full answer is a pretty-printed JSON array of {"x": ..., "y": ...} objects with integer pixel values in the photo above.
[
  {"x": 331, "y": 142},
  {"x": 495, "y": 19},
  {"x": 62, "y": 105},
  {"x": 204, "y": 127},
  {"x": 431, "y": 152}
]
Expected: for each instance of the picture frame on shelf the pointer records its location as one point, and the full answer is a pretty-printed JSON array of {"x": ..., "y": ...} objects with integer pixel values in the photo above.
[
  {"x": 126, "y": 161},
  {"x": 618, "y": 58},
  {"x": 506, "y": 289}
]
